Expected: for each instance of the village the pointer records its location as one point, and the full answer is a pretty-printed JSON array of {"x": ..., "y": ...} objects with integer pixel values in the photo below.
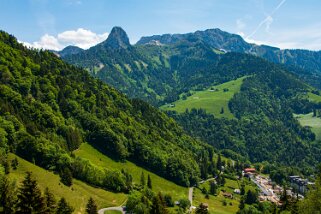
[{"x": 269, "y": 191}]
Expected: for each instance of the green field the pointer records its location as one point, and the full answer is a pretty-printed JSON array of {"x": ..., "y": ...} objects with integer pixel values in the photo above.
[
  {"x": 159, "y": 184},
  {"x": 212, "y": 99},
  {"x": 77, "y": 195},
  {"x": 313, "y": 122}
]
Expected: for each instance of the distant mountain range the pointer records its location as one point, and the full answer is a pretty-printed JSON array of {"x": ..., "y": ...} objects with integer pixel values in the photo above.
[{"x": 155, "y": 68}]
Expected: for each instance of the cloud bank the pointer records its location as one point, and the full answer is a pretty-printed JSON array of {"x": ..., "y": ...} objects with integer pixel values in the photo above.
[{"x": 81, "y": 37}]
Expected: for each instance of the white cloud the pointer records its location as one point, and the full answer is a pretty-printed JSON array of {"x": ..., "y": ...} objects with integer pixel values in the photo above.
[{"x": 81, "y": 37}]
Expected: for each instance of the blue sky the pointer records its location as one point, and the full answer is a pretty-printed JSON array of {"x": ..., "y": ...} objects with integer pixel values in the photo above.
[{"x": 56, "y": 23}]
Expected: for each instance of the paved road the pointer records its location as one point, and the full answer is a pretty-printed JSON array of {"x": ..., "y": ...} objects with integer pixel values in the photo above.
[{"x": 101, "y": 211}]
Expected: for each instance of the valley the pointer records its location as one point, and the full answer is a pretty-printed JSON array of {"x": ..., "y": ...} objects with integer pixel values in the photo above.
[{"x": 203, "y": 122}]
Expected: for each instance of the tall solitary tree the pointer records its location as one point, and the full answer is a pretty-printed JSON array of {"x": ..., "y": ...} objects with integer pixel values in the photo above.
[
  {"x": 30, "y": 199},
  {"x": 149, "y": 182},
  {"x": 142, "y": 180},
  {"x": 91, "y": 207}
]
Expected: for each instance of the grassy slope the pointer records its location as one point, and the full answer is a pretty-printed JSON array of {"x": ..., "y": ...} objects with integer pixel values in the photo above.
[
  {"x": 314, "y": 98},
  {"x": 159, "y": 184},
  {"x": 215, "y": 203},
  {"x": 313, "y": 122},
  {"x": 211, "y": 101},
  {"x": 77, "y": 195}
]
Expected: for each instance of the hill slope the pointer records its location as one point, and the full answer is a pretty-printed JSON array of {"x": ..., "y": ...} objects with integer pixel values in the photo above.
[
  {"x": 214, "y": 99},
  {"x": 48, "y": 108}
]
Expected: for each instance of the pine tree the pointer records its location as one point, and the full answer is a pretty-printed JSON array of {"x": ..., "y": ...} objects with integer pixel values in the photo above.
[
  {"x": 242, "y": 203},
  {"x": 142, "y": 179},
  {"x": 222, "y": 111},
  {"x": 219, "y": 163},
  {"x": 14, "y": 163},
  {"x": 213, "y": 188},
  {"x": 6, "y": 166},
  {"x": 7, "y": 195},
  {"x": 149, "y": 182},
  {"x": 91, "y": 207},
  {"x": 64, "y": 207},
  {"x": 66, "y": 176},
  {"x": 50, "y": 201},
  {"x": 30, "y": 199}
]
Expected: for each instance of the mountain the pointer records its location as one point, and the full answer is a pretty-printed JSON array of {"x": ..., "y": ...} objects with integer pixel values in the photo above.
[
  {"x": 163, "y": 69},
  {"x": 310, "y": 61},
  {"x": 48, "y": 108},
  {"x": 69, "y": 50},
  {"x": 213, "y": 37},
  {"x": 117, "y": 39}
]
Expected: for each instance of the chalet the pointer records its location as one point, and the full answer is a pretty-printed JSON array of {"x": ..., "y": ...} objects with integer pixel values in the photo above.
[{"x": 249, "y": 170}]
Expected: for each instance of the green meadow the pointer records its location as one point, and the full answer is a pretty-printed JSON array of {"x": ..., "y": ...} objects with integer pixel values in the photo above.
[
  {"x": 213, "y": 99},
  {"x": 77, "y": 195},
  {"x": 310, "y": 121},
  {"x": 159, "y": 184}
]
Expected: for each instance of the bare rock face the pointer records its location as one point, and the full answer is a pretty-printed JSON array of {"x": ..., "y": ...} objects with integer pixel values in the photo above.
[{"x": 117, "y": 39}]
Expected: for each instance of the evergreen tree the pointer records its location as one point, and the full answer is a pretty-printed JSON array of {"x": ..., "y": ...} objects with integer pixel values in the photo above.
[
  {"x": 66, "y": 176},
  {"x": 30, "y": 199},
  {"x": 242, "y": 203},
  {"x": 7, "y": 195},
  {"x": 219, "y": 163},
  {"x": 14, "y": 163},
  {"x": 6, "y": 166},
  {"x": 251, "y": 197},
  {"x": 222, "y": 111},
  {"x": 213, "y": 188},
  {"x": 156, "y": 206},
  {"x": 142, "y": 180},
  {"x": 201, "y": 209},
  {"x": 50, "y": 201},
  {"x": 64, "y": 207},
  {"x": 91, "y": 207},
  {"x": 149, "y": 182},
  {"x": 242, "y": 189}
]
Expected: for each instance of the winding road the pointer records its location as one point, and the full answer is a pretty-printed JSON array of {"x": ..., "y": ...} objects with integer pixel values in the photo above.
[{"x": 120, "y": 208}]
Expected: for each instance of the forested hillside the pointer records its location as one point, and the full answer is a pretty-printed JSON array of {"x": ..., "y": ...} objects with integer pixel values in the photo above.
[
  {"x": 173, "y": 66},
  {"x": 48, "y": 108}
]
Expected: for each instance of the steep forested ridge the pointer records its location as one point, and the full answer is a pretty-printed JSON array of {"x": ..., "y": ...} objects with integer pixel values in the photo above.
[{"x": 48, "y": 108}]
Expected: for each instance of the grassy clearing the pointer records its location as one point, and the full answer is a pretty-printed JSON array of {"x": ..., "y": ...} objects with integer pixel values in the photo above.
[
  {"x": 77, "y": 195},
  {"x": 216, "y": 203},
  {"x": 313, "y": 122},
  {"x": 159, "y": 184},
  {"x": 314, "y": 97},
  {"x": 212, "y": 99}
]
